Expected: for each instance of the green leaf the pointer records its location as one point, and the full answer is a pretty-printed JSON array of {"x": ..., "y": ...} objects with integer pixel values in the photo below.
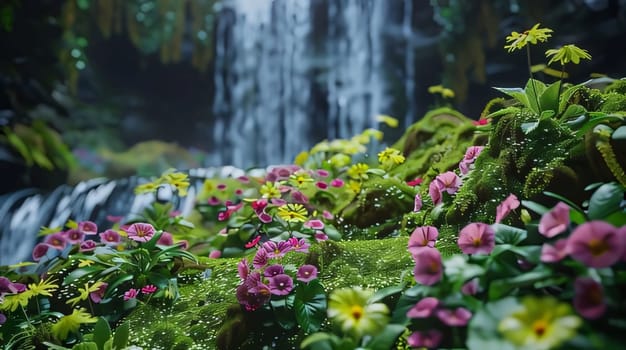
[
  {"x": 116, "y": 283},
  {"x": 516, "y": 93},
  {"x": 385, "y": 292},
  {"x": 527, "y": 128},
  {"x": 534, "y": 89},
  {"x": 310, "y": 306},
  {"x": 376, "y": 171},
  {"x": 605, "y": 201},
  {"x": 88, "y": 345},
  {"x": 566, "y": 95},
  {"x": 482, "y": 331},
  {"x": 283, "y": 311},
  {"x": 387, "y": 338},
  {"x": 317, "y": 338},
  {"x": 504, "y": 111},
  {"x": 574, "y": 111},
  {"x": 52, "y": 346},
  {"x": 549, "y": 100},
  {"x": 619, "y": 133},
  {"x": 79, "y": 273},
  {"x": 536, "y": 207},
  {"x": 571, "y": 204},
  {"x": 120, "y": 338},
  {"x": 597, "y": 118},
  {"x": 506, "y": 234},
  {"x": 500, "y": 288},
  {"x": 19, "y": 145},
  {"x": 101, "y": 333}
]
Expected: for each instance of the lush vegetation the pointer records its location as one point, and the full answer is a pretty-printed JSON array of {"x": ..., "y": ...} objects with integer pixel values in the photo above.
[{"x": 506, "y": 232}]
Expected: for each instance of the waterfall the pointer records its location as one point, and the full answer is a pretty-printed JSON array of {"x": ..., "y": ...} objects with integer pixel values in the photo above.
[{"x": 290, "y": 73}]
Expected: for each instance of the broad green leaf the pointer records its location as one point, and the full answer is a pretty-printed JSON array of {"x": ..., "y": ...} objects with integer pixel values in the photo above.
[
  {"x": 619, "y": 133},
  {"x": 101, "y": 333},
  {"x": 571, "y": 204},
  {"x": 385, "y": 292},
  {"x": 502, "y": 287},
  {"x": 116, "y": 283},
  {"x": 376, "y": 171},
  {"x": 549, "y": 100},
  {"x": 504, "y": 111},
  {"x": 316, "y": 338},
  {"x": 79, "y": 273},
  {"x": 88, "y": 345},
  {"x": 617, "y": 219},
  {"x": 120, "y": 338},
  {"x": 482, "y": 331},
  {"x": 283, "y": 311},
  {"x": 596, "y": 119},
  {"x": 516, "y": 93},
  {"x": 527, "y": 128},
  {"x": 387, "y": 338},
  {"x": 534, "y": 89},
  {"x": 574, "y": 111},
  {"x": 536, "y": 207},
  {"x": 605, "y": 201},
  {"x": 506, "y": 234},
  {"x": 566, "y": 95},
  {"x": 310, "y": 306}
]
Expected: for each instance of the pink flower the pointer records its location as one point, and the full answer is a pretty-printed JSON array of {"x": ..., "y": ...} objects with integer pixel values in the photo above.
[
  {"x": 230, "y": 209},
  {"x": 215, "y": 254},
  {"x": 214, "y": 201},
  {"x": 555, "y": 221},
  {"x": 140, "y": 232},
  {"x": 422, "y": 237},
  {"x": 429, "y": 339},
  {"x": 551, "y": 254},
  {"x": 589, "y": 298},
  {"x": 428, "y": 267},
  {"x": 418, "y": 181},
  {"x": 470, "y": 287},
  {"x": 480, "y": 122},
  {"x": 110, "y": 237},
  {"x": 448, "y": 182},
  {"x": 458, "y": 317},
  {"x": 299, "y": 245},
  {"x": 417, "y": 206},
  {"x": 510, "y": 203},
  {"x": 114, "y": 219},
  {"x": 477, "y": 238},
  {"x": 166, "y": 239},
  {"x": 239, "y": 192},
  {"x": 253, "y": 293},
  {"x": 130, "y": 294},
  {"x": 299, "y": 197},
  {"x": 276, "y": 249},
  {"x": 320, "y": 236},
  {"x": 57, "y": 240},
  {"x": 328, "y": 215},
  {"x": 322, "y": 173},
  {"x": 40, "y": 251},
  {"x": 337, "y": 182},
  {"x": 149, "y": 289},
  {"x": 281, "y": 285},
  {"x": 243, "y": 179},
  {"x": 260, "y": 259},
  {"x": 595, "y": 244},
  {"x": 435, "y": 193},
  {"x": 97, "y": 295},
  {"x": 470, "y": 156},
  {"x": 314, "y": 224},
  {"x": 88, "y": 228},
  {"x": 221, "y": 187},
  {"x": 74, "y": 236},
  {"x": 321, "y": 185},
  {"x": 306, "y": 273},
  {"x": 253, "y": 242},
  {"x": 87, "y": 246},
  {"x": 243, "y": 269},
  {"x": 273, "y": 271},
  {"x": 423, "y": 308}
]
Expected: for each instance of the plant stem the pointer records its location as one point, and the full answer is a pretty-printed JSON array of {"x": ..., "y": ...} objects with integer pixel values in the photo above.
[{"x": 532, "y": 80}]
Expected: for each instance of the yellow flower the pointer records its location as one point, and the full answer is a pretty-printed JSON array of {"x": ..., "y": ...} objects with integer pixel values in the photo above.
[
  {"x": 389, "y": 121},
  {"x": 300, "y": 178},
  {"x": 71, "y": 323},
  {"x": 44, "y": 287},
  {"x": 435, "y": 89},
  {"x": 292, "y": 213},
  {"x": 447, "y": 93},
  {"x": 439, "y": 89},
  {"x": 541, "y": 324},
  {"x": 390, "y": 156},
  {"x": 358, "y": 171},
  {"x": 339, "y": 160},
  {"x": 12, "y": 301},
  {"x": 351, "y": 309},
  {"x": 269, "y": 190},
  {"x": 531, "y": 36},
  {"x": 85, "y": 262},
  {"x": 320, "y": 147},
  {"x": 354, "y": 186},
  {"x": 567, "y": 53},
  {"x": 148, "y": 187},
  {"x": 301, "y": 158},
  {"x": 180, "y": 181},
  {"x": 377, "y": 134},
  {"x": 84, "y": 293}
]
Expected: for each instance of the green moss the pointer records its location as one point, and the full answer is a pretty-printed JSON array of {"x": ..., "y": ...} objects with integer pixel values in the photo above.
[
  {"x": 613, "y": 102},
  {"x": 618, "y": 86}
]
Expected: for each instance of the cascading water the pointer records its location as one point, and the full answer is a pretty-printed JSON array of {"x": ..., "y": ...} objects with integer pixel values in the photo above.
[{"x": 290, "y": 73}]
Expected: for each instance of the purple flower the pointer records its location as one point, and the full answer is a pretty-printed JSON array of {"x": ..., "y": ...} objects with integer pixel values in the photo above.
[
  {"x": 328, "y": 215},
  {"x": 74, "y": 236},
  {"x": 595, "y": 244},
  {"x": 215, "y": 254},
  {"x": 306, "y": 273},
  {"x": 40, "y": 251},
  {"x": 423, "y": 308},
  {"x": 320, "y": 236},
  {"x": 555, "y": 221},
  {"x": 477, "y": 238},
  {"x": 130, "y": 294},
  {"x": 140, "y": 232},
  {"x": 448, "y": 182},
  {"x": 321, "y": 185},
  {"x": 470, "y": 156},
  {"x": 429, "y": 339},
  {"x": 299, "y": 245},
  {"x": 470, "y": 287},
  {"x": 435, "y": 193},
  {"x": 417, "y": 206},
  {"x": 458, "y": 317},
  {"x": 260, "y": 259},
  {"x": 3, "y": 318},
  {"x": 243, "y": 269},
  {"x": 251, "y": 295},
  {"x": 87, "y": 246},
  {"x": 428, "y": 267},
  {"x": 314, "y": 224},
  {"x": 322, "y": 173},
  {"x": 8, "y": 287},
  {"x": 276, "y": 249},
  {"x": 88, "y": 228},
  {"x": 166, "y": 239},
  {"x": 97, "y": 296},
  {"x": 281, "y": 285},
  {"x": 149, "y": 289},
  {"x": 273, "y": 271},
  {"x": 589, "y": 298},
  {"x": 299, "y": 197},
  {"x": 551, "y": 254},
  {"x": 110, "y": 237},
  {"x": 57, "y": 240},
  {"x": 510, "y": 203},
  {"x": 422, "y": 237},
  {"x": 214, "y": 201},
  {"x": 337, "y": 182}
]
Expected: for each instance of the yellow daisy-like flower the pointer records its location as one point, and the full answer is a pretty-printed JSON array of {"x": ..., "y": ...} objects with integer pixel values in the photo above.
[
  {"x": 71, "y": 323},
  {"x": 85, "y": 262},
  {"x": 12, "y": 301},
  {"x": 541, "y": 324},
  {"x": 269, "y": 190},
  {"x": 292, "y": 212},
  {"x": 390, "y": 156},
  {"x": 358, "y": 171},
  {"x": 322, "y": 146},
  {"x": 377, "y": 134},
  {"x": 44, "y": 287},
  {"x": 389, "y": 121},
  {"x": 148, "y": 187},
  {"x": 354, "y": 186},
  {"x": 180, "y": 181},
  {"x": 300, "y": 178},
  {"x": 568, "y": 53},
  {"x": 518, "y": 41},
  {"x": 351, "y": 310},
  {"x": 84, "y": 293}
]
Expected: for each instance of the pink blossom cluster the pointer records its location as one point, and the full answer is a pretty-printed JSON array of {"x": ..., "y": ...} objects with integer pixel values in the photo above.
[{"x": 448, "y": 182}]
